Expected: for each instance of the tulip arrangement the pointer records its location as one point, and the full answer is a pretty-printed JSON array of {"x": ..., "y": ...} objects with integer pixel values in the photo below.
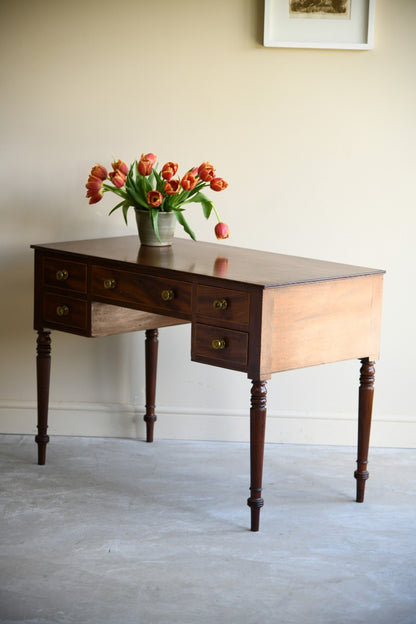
[{"x": 141, "y": 186}]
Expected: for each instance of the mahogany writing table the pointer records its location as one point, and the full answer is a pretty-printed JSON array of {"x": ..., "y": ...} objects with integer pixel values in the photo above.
[{"x": 251, "y": 311}]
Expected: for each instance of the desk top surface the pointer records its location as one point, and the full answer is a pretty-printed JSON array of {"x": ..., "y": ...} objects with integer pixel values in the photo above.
[{"x": 216, "y": 260}]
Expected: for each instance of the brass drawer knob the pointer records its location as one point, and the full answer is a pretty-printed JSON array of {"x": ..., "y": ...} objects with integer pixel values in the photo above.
[
  {"x": 62, "y": 275},
  {"x": 110, "y": 284},
  {"x": 218, "y": 344},
  {"x": 167, "y": 295},
  {"x": 62, "y": 310},
  {"x": 220, "y": 304}
]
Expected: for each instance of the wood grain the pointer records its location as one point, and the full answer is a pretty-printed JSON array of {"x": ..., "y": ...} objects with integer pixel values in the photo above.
[
  {"x": 107, "y": 319},
  {"x": 310, "y": 324}
]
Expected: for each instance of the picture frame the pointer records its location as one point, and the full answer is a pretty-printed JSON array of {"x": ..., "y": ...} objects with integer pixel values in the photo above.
[{"x": 325, "y": 24}]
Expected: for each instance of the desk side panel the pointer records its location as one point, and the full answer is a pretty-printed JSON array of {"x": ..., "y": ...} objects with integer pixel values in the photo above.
[{"x": 309, "y": 324}]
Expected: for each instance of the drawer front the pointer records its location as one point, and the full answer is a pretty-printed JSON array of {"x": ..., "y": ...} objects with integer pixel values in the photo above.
[
  {"x": 68, "y": 275},
  {"x": 154, "y": 294},
  {"x": 221, "y": 305},
  {"x": 217, "y": 345},
  {"x": 65, "y": 311}
]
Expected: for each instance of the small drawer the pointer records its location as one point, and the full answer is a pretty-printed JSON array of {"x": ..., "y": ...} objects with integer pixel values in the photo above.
[
  {"x": 221, "y": 305},
  {"x": 65, "y": 311},
  {"x": 217, "y": 345},
  {"x": 154, "y": 294},
  {"x": 68, "y": 275}
]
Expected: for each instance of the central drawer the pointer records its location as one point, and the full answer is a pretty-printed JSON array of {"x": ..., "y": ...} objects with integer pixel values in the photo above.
[{"x": 146, "y": 292}]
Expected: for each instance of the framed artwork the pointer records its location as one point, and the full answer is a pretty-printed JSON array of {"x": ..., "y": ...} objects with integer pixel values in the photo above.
[{"x": 336, "y": 24}]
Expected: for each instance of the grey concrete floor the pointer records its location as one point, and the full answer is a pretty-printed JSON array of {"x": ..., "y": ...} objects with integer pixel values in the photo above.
[{"x": 120, "y": 531}]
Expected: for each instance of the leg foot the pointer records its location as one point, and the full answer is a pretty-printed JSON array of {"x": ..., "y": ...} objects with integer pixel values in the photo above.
[
  {"x": 151, "y": 350},
  {"x": 43, "y": 369},
  {"x": 257, "y": 433},
  {"x": 365, "y": 406}
]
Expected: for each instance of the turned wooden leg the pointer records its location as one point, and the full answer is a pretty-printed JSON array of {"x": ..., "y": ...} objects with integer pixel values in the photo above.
[
  {"x": 257, "y": 432},
  {"x": 151, "y": 349},
  {"x": 365, "y": 406},
  {"x": 43, "y": 370}
]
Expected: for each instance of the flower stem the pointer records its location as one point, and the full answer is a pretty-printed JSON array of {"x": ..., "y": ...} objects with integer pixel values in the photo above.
[{"x": 216, "y": 213}]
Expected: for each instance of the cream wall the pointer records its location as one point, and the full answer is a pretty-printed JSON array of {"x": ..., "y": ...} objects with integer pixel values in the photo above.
[{"x": 318, "y": 148}]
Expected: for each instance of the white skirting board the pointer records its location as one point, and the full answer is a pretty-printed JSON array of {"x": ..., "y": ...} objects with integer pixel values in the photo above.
[{"x": 126, "y": 421}]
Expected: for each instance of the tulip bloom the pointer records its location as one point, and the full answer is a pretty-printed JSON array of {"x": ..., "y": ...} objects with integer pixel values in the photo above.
[
  {"x": 169, "y": 170},
  {"x": 218, "y": 184},
  {"x": 154, "y": 198},
  {"x": 146, "y": 164},
  {"x": 172, "y": 187},
  {"x": 121, "y": 166},
  {"x": 94, "y": 183},
  {"x": 99, "y": 171},
  {"x": 96, "y": 197},
  {"x": 206, "y": 172},
  {"x": 117, "y": 178},
  {"x": 188, "y": 181},
  {"x": 222, "y": 230},
  {"x": 95, "y": 189}
]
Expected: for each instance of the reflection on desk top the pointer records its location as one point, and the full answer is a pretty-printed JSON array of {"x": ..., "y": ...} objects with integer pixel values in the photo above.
[{"x": 216, "y": 260}]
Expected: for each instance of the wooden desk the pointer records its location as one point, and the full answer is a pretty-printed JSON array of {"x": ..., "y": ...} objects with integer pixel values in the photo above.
[{"x": 251, "y": 311}]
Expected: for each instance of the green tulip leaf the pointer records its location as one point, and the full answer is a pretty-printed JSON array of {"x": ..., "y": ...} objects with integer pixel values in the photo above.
[
  {"x": 115, "y": 208},
  {"x": 207, "y": 204},
  {"x": 160, "y": 183},
  {"x": 114, "y": 189},
  {"x": 181, "y": 219},
  {"x": 154, "y": 213},
  {"x": 134, "y": 194},
  {"x": 125, "y": 209}
]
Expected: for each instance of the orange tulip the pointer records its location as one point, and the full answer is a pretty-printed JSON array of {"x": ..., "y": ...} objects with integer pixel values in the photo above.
[
  {"x": 146, "y": 164},
  {"x": 218, "y": 184},
  {"x": 120, "y": 165},
  {"x": 99, "y": 171},
  {"x": 172, "y": 187},
  {"x": 222, "y": 230},
  {"x": 94, "y": 183},
  {"x": 154, "y": 198},
  {"x": 95, "y": 196},
  {"x": 169, "y": 170},
  {"x": 188, "y": 181},
  {"x": 117, "y": 178},
  {"x": 206, "y": 172}
]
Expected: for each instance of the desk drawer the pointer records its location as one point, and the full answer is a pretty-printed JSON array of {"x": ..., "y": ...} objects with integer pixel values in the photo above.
[
  {"x": 154, "y": 294},
  {"x": 65, "y": 274},
  {"x": 221, "y": 305},
  {"x": 217, "y": 345},
  {"x": 65, "y": 311}
]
